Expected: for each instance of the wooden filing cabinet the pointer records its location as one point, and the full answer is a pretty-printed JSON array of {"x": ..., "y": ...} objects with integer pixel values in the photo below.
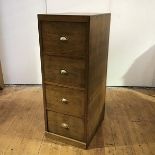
[{"x": 74, "y": 51}]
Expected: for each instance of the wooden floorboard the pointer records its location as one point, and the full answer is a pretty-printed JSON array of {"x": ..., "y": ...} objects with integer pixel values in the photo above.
[{"x": 128, "y": 128}]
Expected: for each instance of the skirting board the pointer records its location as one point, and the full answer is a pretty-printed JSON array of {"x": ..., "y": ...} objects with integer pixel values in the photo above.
[{"x": 1, "y": 78}]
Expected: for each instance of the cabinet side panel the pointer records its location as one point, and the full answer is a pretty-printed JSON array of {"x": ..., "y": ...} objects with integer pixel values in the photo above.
[
  {"x": 98, "y": 55},
  {"x": 42, "y": 69}
]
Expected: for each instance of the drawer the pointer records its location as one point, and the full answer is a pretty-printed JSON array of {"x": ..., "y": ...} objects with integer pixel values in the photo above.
[
  {"x": 65, "y": 125},
  {"x": 64, "y": 38},
  {"x": 65, "y": 100},
  {"x": 65, "y": 71}
]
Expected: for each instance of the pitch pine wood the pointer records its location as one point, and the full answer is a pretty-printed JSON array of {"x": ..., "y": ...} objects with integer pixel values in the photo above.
[
  {"x": 76, "y": 125},
  {"x": 75, "y": 100},
  {"x": 128, "y": 127},
  {"x": 1, "y": 78},
  {"x": 75, "y": 71},
  {"x": 84, "y": 56},
  {"x": 97, "y": 70},
  {"x": 75, "y": 34}
]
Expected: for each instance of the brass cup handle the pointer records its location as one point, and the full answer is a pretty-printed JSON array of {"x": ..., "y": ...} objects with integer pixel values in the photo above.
[
  {"x": 63, "y": 72},
  {"x": 64, "y": 101},
  {"x": 63, "y": 38},
  {"x": 65, "y": 126}
]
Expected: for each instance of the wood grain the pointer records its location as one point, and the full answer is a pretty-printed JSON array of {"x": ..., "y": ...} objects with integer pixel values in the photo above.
[
  {"x": 63, "y": 18},
  {"x": 75, "y": 128},
  {"x": 83, "y": 56},
  {"x": 58, "y": 138},
  {"x": 75, "y": 33},
  {"x": 75, "y": 100},
  {"x": 75, "y": 71},
  {"x": 128, "y": 127},
  {"x": 97, "y": 71}
]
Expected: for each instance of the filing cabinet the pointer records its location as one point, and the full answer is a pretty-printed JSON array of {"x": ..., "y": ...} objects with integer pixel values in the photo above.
[{"x": 74, "y": 52}]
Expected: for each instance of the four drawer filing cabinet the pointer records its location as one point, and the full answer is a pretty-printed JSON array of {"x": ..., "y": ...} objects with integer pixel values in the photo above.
[{"x": 74, "y": 51}]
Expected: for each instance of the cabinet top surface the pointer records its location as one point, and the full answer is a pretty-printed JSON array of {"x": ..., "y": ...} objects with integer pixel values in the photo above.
[
  {"x": 73, "y": 14},
  {"x": 77, "y": 17}
]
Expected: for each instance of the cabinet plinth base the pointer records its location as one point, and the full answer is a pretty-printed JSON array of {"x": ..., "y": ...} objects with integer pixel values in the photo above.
[{"x": 65, "y": 140}]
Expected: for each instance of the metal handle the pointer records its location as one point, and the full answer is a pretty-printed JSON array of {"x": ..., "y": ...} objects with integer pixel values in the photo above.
[
  {"x": 63, "y": 38},
  {"x": 63, "y": 72},
  {"x": 64, "y": 101},
  {"x": 65, "y": 126}
]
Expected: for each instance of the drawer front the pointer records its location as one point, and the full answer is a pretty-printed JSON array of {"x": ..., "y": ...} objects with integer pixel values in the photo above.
[
  {"x": 65, "y": 100},
  {"x": 64, "y": 71},
  {"x": 64, "y": 125},
  {"x": 64, "y": 38}
]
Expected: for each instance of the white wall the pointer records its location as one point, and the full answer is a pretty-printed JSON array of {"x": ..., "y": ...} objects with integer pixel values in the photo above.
[
  {"x": 59, "y": 6},
  {"x": 19, "y": 46},
  {"x": 132, "y": 39},
  {"x": 132, "y": 43}
]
